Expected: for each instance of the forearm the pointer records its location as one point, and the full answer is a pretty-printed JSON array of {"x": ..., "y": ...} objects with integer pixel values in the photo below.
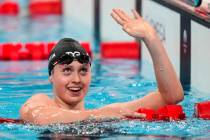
[
  {"x": 168, "y": 83},
  {"x": 49, "y": 115}
]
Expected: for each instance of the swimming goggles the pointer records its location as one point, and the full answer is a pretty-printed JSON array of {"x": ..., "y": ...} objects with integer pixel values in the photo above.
[{"x": 69, "y": 57}]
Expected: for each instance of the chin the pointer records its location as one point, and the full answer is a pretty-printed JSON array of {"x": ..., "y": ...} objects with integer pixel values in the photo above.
[{"x": 73, "y": 100}]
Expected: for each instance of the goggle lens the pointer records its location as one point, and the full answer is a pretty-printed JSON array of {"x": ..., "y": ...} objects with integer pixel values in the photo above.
[{"x": 68, "y": 59}]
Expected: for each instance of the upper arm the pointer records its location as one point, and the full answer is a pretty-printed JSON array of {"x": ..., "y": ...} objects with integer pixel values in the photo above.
[
  {"x": 39, "y": 109},
  {"x": 36, "y": 101}
]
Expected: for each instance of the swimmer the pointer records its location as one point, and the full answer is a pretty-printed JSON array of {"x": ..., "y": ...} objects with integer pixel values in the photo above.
[{"x": 70, "y": 74}]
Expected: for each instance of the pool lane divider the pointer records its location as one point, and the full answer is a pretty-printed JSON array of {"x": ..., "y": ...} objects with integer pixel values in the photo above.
[
  {"x": 166, "y": 113},
  {"x": 31, "y": 50},
  {"x": 45, "y": 7},
  {"x": 9, "y": 120},
  {"x": 202, "y": 110},
  {"x": 126, "y": 49},
  {"x": 35, "y": 8},
  {"x": 0, "y": 51},
  {"x": 9, "y": 7}
]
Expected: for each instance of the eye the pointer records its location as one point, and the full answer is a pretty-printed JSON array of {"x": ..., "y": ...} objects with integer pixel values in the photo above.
[
  {"x": 67, "y": 70},
  {"x": 84, "y": 70}
]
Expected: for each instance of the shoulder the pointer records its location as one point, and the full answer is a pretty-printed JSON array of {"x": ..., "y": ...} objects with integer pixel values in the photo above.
[
  {"x": 39, "y": 99},
  {"x": 33, "y": 102},
  {"x": 39, "y": 96}
]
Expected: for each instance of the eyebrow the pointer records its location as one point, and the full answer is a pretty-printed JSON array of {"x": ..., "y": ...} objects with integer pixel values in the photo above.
[
  {"x": 62, "y": 66},
  {"x": 85, "y": 64}
]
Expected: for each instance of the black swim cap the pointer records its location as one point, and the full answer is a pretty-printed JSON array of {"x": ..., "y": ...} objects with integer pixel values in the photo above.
[{"x": 66, "y": 46}]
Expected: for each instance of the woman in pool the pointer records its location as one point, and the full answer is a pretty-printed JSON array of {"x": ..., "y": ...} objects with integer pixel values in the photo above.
[{"x": 70, "y": 75}]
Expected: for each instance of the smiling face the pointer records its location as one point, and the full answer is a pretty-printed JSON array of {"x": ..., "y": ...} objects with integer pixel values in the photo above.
[{"x": 70, "y": 84}]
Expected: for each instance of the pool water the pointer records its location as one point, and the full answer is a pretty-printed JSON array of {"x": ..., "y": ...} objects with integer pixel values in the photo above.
[
  {"x": 113, "y": 81},
  {"x": 110, "y": 84}
]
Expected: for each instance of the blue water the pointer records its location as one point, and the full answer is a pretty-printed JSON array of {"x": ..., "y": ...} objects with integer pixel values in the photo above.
[
  {"x": 113, "y": 81},
  {"x": 20, "y": 80}
]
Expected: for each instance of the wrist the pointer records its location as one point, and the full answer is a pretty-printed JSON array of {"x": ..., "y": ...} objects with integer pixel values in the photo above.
[
  {"x": 150, "y": 37},
  {"x": 153, "y": 43}
]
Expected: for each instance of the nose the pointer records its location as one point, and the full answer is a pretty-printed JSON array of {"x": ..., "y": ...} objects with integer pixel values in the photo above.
[{"x": 76, "y": 78}]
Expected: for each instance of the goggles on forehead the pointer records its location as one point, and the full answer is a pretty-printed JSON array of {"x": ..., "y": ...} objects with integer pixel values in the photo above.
[{"x": 69, "y": 57}]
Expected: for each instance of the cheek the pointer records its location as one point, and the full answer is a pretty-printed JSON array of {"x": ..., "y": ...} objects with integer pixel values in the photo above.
[
  {"x": 87, "y": 80},
  {"x": 59, "y": 80},
  {"x": 59, "y": 86}
]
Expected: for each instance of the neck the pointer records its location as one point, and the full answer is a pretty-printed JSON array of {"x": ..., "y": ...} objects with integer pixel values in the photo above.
[{"x": 77, "y": 106}]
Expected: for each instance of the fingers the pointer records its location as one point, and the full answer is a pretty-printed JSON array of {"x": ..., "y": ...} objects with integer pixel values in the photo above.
[
  {"x": 120, "y": 16},
  {"x": 117, "y": 18},
  {"x": 136, "y": 14},
  {"x": 135, "y": 115}
]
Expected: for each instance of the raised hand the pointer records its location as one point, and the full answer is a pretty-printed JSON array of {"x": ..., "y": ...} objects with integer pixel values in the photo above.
[{"x": 134, "y": 26}]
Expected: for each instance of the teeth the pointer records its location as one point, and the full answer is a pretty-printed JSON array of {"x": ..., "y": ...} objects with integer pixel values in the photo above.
[{"x": 74, "y": 88}]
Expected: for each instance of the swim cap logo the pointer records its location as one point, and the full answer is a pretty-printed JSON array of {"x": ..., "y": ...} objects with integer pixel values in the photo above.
[{"x": 74, "y": 54}]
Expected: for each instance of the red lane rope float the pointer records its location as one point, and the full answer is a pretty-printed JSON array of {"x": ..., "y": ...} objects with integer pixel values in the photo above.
[
  {"x": 166, "y": 113},
  {"x": 202, "y": 110},
  {"x": 37, "y": 50},
  {"x": 31, "y": 50},
  {"x": 9, "y": 120},
  {"x": 86, "y": 46},
  {"x": 10, "y": 51},
  {"x": 127, "y": 50},
  {"x": 9, "y": 7},
  {"x": 45, "y": 7}
]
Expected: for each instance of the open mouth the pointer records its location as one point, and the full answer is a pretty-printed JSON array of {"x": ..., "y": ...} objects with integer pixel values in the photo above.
[{"x": 75, "y": 90}]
